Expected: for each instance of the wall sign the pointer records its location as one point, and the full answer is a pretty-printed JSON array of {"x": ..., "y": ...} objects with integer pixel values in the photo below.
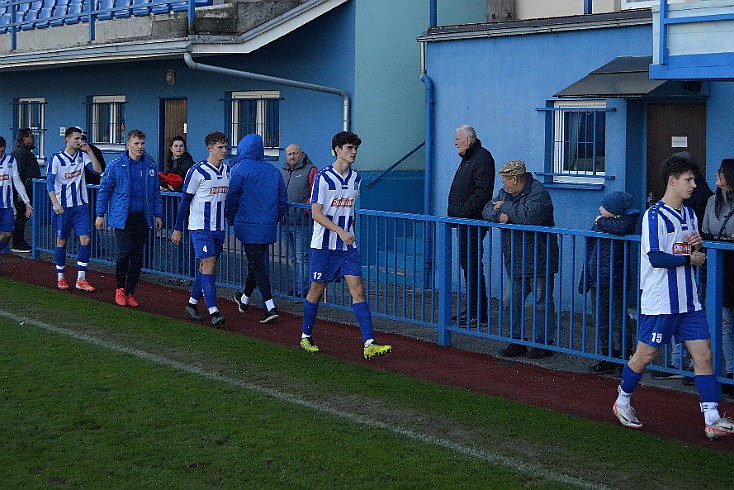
[{"x": 679, "y": 142}]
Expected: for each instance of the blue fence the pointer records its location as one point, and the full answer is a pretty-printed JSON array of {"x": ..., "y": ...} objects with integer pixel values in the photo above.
[{"x": 412, "y": 274}]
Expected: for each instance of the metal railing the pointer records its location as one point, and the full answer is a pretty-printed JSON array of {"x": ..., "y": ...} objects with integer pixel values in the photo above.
[{"x": 412, "y": 274}]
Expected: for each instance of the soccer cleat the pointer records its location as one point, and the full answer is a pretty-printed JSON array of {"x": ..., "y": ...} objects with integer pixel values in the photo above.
[
  {"x": 308, "y": 345},
  {"x": 120, "y": 298},
  {"x": 722, "y": 427},
  {"x": 270, "y": 316},
  {"x": 131, "y": 301},
  {"x": 62, "y": 284},
  {"x": 374, "y": 350},
  {"x": 218, "y": 319},
  {"x": 85, "y": 286},
  {"x": 240, "y": 305},
  {"x": 627, "y": 417},
  {"x": 193, "y": 312}
]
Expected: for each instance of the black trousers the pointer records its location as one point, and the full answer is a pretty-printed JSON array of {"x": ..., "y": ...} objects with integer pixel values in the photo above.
[
  {"x": 471, "y": 251},
  {"x": 130, "y": 244},
  {"x": 257, "y": 272},
  {"x": 20, "y": 219}
]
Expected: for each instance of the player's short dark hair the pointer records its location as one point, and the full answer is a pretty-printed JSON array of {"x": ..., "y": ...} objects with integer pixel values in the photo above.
[
  {"x": 215, "y": 137},
  {"x": 71, "y": 130},
  {"x": 678, "y": 164},
  {"x": 135, "y": 133},
  {"x": 345, "y": 138},
  {"x": 23, "y": 133},
  {"x": 3, "y": 143}
]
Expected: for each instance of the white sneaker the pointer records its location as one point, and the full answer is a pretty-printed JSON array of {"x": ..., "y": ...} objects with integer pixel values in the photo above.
[
  {"x": 722, "y": 427},
  {"x": 627, "y": 417}
]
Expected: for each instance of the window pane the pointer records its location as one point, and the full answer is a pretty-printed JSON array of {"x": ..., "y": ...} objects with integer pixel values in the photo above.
[
  {"x": 272, "y": 124},
  {"x": 582, "y": 146},
  {"x": 246, "y": 119}
]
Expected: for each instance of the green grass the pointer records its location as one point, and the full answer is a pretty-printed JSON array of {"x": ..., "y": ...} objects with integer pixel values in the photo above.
[{"x": 78, "y": 414}]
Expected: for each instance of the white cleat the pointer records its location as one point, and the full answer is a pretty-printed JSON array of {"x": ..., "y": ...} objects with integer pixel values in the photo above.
[
  {"x": 627, "y": 417},
  {"x": 722, "y": 427}
]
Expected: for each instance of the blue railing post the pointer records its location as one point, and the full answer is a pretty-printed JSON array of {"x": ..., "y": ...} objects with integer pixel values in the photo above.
[
  {"x": 443, "y": 272},
  {"x": 714, "y": 300},
  {"x": 89, "y": 7},
  {"x": 192, "y": 8},
  {"x": 35, "y": 221},
  {"x": 13, "y": 35}
]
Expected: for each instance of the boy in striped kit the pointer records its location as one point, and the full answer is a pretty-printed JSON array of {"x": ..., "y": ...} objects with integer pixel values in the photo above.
[
  {"x": 205, "y": 190},
  {"x": 67, "y": 189},
  {"x": 670, "y": 304},
  {"x": 9, "y": 178},
  {"x": 334, "y": 251}
]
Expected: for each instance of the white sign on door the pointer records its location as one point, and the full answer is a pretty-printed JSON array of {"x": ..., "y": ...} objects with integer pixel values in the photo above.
[{"x": 679, "y": 142}]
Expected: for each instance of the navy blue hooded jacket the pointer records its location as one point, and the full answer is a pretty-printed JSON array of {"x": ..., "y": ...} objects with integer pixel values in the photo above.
[{"x": 257, "y": 198}]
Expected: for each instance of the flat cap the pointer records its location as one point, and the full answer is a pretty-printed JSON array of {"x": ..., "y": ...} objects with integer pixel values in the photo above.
[{"x": 513, "y": 168}]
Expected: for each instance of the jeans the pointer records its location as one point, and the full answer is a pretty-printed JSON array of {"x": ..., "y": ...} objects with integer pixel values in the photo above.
[
  {"x": 602, "y": 319},
  {"x": 20, "y": 219},
  {"x": 727, "y": 339},
  {"x": 516, "y": 292},
  {"x": 131, "y": 241},
  {"x": 471, "y": 252}
]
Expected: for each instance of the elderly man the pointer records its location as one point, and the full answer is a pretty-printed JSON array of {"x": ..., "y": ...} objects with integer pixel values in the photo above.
[
  {"x": 298, "y": 173},
  {"x": 470, "y": 191},
  {"x": 524, "y": 200}
]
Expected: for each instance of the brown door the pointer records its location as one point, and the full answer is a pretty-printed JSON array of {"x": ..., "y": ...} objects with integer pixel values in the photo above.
[
  {"x": 173, "y": 113},
  {"x": 672, "y": 128}
]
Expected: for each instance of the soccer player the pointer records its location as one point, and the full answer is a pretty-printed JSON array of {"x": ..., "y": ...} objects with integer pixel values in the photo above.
[
  {"x": 67, "y": 189},
  {"x": 334, "y": 251},
  {"x": 670, "y": 304},
  {"x": 9, "y": 178},
  {"x": 205, "y": 190}
]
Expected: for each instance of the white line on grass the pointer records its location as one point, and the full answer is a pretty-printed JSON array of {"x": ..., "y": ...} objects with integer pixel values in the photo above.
[{"x": 492, "y": 457}]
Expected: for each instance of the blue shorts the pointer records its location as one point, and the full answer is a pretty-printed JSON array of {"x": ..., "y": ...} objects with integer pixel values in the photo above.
[
  {"x": 207, "y": 243},
  {"x": 75, "y": 217},
  {"x": 330, "y": 265},
  {"x": 656, "y": 330},
  {"x": 6, "y": 220}
]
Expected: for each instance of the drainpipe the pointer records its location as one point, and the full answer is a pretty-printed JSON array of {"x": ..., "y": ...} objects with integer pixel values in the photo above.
[
  {"x": 428, "y": 181},
  {"x": 280, "y": 81}
]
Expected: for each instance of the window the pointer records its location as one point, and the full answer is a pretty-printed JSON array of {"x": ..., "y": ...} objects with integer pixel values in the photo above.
[
  {"x": 637, "y": 4},
  {"x": 256, "y": 112},
  {"x": 30, "y": 113},
  {"x": 579, "y": 140},
  {"x": 106, "y": 120}
]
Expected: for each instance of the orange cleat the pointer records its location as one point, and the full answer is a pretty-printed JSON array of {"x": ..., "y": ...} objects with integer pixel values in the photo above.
[
  {"x": 120, "y": 298},
  {"x": 85, "y": 286},
  {"x": 131, "y": 301},
  {"x": 62, "y": 284}
]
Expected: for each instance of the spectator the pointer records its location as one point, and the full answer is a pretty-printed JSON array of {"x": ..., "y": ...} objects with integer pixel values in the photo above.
[
  {"x": 298, "y": 173},
  {"x": 205, "y": 192},
  {"x": 604, "y": 274},
  {"x": 9, "y": 183},
  {"x": 67, "y": 189},
  {"x": 256, "y": 202},
  {"x": 719, "y": 225},
  {"x": 669, "y": 303},
  {"x": 334, "y": 251},
  {"x": 523, "y": 200},
  {"x": 178, "y": 163},
  {"x": 470, "y": 191},
  {"x": 28, "y": 170},
  {"x": 130, "y": 189}
]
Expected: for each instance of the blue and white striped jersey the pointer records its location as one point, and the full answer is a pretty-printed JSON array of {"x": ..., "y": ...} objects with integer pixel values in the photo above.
[
  {"x": 8, "y": 177},
  {"x": 338, "y": 196},
  {"x": 209, "y": 185},
  {"x": 666, "y": 291},
  {"x": 65, "y": 177}
]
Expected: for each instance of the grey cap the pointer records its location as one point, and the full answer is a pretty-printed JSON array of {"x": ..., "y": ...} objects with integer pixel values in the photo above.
[{"x": 513, "y": 168}]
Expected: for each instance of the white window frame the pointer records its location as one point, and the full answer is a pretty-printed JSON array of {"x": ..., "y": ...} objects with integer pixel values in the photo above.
[
  {"x": 38, "y": 131},
  {"x": 561, "y": 175},
  {"x": 639, "y": 4},
  {"x": 262, "y": 97},
  {"x": 115, "y": 102}
]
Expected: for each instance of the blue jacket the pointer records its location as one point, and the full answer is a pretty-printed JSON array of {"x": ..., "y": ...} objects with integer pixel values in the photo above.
[
  {"x": 114, "y": 191},
  {"x": 257, "y": 198}
]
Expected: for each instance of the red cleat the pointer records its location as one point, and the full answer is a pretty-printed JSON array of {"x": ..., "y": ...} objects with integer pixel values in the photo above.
[
  {"x": 131, "y": 301},
  {"x": 85, "y": 286},
  {"x": 62, "y": 284},
  {"x": 120, "y": 298}
]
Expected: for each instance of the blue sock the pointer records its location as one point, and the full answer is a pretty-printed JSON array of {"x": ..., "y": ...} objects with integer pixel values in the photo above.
[
  {"x": 309, "y": 316},
  {"x": 706, "y": 386},
  {"x": 630, "y": 379},
  {"x": 60, "y": 256},
  {"x": 196, "y": 287},
  {"x": 3, "y": 246},
  {"x": 364, "y": 318},
  {"x": 82, "y": 260},
  {"x": 209, "y": 288}
]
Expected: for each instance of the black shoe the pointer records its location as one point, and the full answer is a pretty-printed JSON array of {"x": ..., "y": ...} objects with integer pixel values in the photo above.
[
  {"x": 193, "y": 312},
  {"x": 22, "y": 247},
  {"x": 270, "y": 316},
  {"x": 472, "y": 320},
  {"x": 218, "y": 319},
  {"x": 538, "y": 353},
  {"x": 514, "y": 350},
  {"x": 689, "y": 381},
  {"x": 727, "y": 389},
  {"x": 604, "y": 367},
  {"x": 240, "y": 305},
  {"x": 665, "y": 375}
]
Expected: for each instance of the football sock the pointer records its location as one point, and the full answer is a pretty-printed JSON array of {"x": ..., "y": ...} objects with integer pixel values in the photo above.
[
  {"x": 309, "y": 317},
  {"x": 3, "y": 246},
  {"x": 213, "y": 310},
  {"x": 60, "y": 258},
  {"x": 630, "y": 380},
  {"x": 706, "y": 387},
  {"x": 710, "y": 412},
  {"x": 364, "y": 318},
  {"x": 196, "y": 289},
  {"x": 209, "y": 288}
]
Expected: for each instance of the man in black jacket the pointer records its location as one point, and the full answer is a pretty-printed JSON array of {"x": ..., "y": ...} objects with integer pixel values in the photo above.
[
  {"x": 28, "y": 170},
  {"x": 470, "y": 191}
]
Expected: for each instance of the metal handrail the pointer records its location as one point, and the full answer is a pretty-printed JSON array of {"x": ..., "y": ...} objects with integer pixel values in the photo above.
[{"x": 391, "y": 167}]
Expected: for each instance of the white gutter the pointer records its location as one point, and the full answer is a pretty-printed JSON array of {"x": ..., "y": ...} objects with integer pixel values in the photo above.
[{"x": 279, "y": 81}]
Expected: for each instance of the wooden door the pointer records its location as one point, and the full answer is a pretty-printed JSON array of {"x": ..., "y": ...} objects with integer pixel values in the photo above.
[{"x": 173, "y": 117}]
